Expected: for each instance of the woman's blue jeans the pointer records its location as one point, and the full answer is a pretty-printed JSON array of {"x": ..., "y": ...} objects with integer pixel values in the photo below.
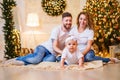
[
  {"x": 40, "y": 54},
  {"x": 90, "y": 56}
]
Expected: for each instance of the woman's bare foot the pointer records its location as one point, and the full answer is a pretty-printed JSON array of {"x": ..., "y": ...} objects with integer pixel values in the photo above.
[{"x": 114, "y": 60}]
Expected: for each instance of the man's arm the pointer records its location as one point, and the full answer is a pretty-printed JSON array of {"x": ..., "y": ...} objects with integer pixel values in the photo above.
[
  {"x": 56, "y": 48},
  {"x": 54, "y": 37}
]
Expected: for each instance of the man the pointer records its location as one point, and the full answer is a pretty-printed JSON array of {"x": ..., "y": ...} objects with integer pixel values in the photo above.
[
  {"x": 48, "y": 50},
  {"x": 62, "y": 32}
]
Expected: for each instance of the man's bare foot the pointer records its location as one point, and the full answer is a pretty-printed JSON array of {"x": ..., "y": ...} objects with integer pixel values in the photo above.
[{"x": 13, "y": 62}]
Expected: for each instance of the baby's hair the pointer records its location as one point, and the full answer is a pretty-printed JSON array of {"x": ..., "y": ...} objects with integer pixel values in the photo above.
[{"x": 71, "y": 38}]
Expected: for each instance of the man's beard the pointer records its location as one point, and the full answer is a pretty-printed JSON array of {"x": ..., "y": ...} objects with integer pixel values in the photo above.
[{"x": 67, "y": 28}]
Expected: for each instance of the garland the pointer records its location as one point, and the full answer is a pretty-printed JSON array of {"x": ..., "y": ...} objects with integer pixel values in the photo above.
[
  {"x": 53, "y": 7},
  {"x": 11, "y": 35}
]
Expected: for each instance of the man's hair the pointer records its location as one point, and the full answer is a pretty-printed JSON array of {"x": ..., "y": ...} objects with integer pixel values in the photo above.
[{"x": 66, "y": 14}]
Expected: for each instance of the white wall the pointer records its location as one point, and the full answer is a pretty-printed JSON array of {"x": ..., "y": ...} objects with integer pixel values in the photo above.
[{"x": 1, "y": 37}]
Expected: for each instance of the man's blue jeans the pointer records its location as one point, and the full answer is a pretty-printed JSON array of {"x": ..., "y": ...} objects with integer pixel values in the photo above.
[
  {"x": 40, "y": 54},
  {"x": 90, "y": 56}
]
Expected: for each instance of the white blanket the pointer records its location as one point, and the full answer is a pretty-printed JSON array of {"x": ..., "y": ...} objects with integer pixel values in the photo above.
[{"x": 56, "y": 66}]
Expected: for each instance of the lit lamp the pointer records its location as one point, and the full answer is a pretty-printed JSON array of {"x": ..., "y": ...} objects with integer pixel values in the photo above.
[{"x": 32, "y": 20}]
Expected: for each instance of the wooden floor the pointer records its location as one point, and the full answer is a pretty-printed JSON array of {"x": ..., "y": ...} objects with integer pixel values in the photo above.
[{"x": 107, "y": 72}]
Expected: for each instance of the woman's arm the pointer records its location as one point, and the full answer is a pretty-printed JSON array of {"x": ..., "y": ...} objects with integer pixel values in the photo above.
[{"x": 88, "y": 47}]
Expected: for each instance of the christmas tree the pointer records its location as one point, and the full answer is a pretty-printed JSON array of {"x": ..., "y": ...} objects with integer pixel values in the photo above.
[
  {"x": 11, "y": 35},
  {"x": 106, "y": 15}
]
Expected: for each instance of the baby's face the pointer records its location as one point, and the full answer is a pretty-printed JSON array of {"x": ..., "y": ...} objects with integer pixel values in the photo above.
[{"x": 71, "y": 45}]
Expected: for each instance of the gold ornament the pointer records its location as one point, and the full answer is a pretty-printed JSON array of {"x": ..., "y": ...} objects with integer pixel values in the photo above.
[
  {"x": 111, "y": 29},
  {"x": 101, "y": 40},
  {"x": 113, "y": 21},
  {"x": 99, "y": 22},
  {"x": 104, "y": 19},
  {"x": 106, "y": 36},
  {"x": 53, "y": 7},
  {"x": 112, "y": 40},
  {"x": 116, "y": 26}
]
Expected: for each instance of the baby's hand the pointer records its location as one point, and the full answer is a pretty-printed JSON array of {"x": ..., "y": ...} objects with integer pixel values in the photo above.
[
  {"x": 63, "y": 67},
  {"x": 81, "y": 66}
]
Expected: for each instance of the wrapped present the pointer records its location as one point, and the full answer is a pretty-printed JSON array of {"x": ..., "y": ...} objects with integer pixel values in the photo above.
[
  {"x": 114, "y": 51},
  {"x": 117, "y": 51}
]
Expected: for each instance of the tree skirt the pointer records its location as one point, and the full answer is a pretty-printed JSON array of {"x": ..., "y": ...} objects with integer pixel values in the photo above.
[{"x": 56, "y": 66}]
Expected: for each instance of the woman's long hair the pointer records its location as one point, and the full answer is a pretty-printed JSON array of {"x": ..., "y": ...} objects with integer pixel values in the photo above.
[{"x": 89, "y": 17}]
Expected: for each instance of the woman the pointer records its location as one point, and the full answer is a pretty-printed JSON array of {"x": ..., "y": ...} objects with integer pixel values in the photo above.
[{"x": 85, "y": 34}]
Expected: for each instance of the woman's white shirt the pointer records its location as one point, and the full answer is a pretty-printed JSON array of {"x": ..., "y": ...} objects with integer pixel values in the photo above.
[{"x": 83, "y": 37}]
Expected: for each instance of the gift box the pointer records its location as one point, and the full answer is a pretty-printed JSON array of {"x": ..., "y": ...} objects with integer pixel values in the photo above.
[{"x": 115, "y": 51}]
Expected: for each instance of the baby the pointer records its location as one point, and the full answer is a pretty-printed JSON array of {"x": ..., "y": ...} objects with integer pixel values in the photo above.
[{"x": 71, "y": 54}]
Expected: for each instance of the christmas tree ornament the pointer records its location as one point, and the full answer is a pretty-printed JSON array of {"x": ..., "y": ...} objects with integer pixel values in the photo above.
[{"x": 53, "y": 7}]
